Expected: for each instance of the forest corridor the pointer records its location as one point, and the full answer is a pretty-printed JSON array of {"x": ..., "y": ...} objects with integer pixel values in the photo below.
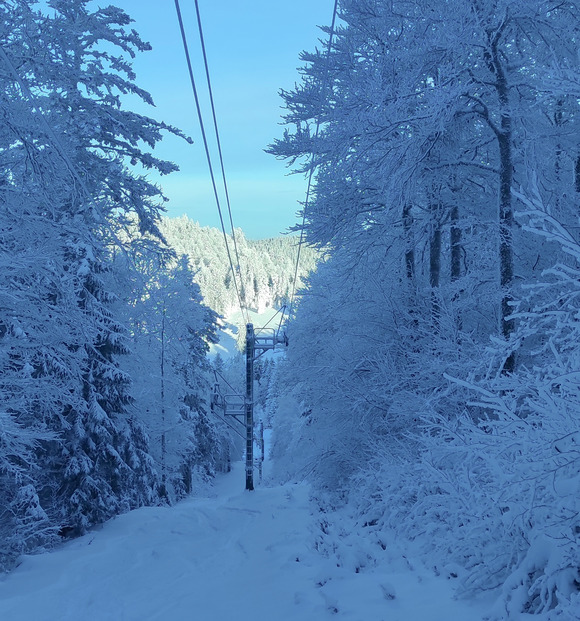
[
  {"x": 424, "y": 414},
  {"x": 226, "y": 554}
]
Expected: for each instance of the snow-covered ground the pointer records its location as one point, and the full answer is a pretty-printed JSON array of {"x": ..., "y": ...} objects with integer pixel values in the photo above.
[{"x": 227, "y": 555}]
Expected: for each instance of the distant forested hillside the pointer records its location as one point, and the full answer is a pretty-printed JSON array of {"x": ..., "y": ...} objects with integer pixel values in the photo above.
[{"x": 267, "y": 266}]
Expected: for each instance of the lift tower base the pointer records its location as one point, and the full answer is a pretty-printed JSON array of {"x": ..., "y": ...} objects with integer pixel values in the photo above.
[{"x": 256, "y": 345}]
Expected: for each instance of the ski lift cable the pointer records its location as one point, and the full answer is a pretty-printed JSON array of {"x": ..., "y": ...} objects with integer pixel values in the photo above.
[
  {"x": 225, "y": 380},
  {"x": 270, "y": 320},
  {"x": 230, "y": 427},
  {"x": 312, "y": 164},
  {"x": 218, "y": 141},
  {"x": 217, "y": 373},
  {"x": 281, "y": 319},
  {"x": 207, "y": 153}
]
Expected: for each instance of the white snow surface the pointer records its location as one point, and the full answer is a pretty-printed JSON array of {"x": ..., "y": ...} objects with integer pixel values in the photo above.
[{"x": 229, "y": 555}]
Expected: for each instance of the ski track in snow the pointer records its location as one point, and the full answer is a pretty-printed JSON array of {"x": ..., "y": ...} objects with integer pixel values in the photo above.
[{"x": 234, "y": 555}]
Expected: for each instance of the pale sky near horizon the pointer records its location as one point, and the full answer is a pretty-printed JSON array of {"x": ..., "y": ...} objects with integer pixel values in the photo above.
[{"x": 253, "y": 51}]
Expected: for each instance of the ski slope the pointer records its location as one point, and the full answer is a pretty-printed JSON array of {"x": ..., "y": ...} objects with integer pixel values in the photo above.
[{"x": 229, "y": 555}]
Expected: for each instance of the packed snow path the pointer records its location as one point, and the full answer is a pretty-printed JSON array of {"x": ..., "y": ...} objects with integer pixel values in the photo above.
[{"x": 236, "y": 556}]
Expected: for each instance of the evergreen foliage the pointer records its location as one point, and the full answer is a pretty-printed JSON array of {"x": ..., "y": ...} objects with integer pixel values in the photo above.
[
  {"x": 74, "y": 448},
  {"x": 267, "y": 266},
  {"x": 171, "y": 331}
]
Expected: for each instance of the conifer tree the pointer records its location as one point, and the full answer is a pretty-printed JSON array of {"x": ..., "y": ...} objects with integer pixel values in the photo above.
[{"x": 73, "y": 455}]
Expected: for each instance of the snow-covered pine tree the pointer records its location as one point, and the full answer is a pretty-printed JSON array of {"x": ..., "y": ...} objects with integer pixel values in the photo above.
[
  {"x": 71, "y": 453},
  {"x": 171, "y": 330}
]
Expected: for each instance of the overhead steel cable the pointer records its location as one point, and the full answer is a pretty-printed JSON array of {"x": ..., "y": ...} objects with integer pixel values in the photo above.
[
  {"x": 217, "y": 137},
  {"x": 312, "y": 163},
  {"x": 225, "y": 381},
  {"x": 280, "y": 310},
  {"x": 207, "y": 153}
]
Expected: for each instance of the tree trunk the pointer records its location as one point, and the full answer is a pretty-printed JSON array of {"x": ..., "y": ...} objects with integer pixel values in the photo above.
[
  {"x": 410, "y": 249},
  {"x": 410, "y": 270},
  {"x": 163, "y": 438},
  {"x": 435, "y": 264},
  {"x": 558, "y": 116},
  {"x": 455, "y": 244},
  {"x": 506, "y": 217},
  {"x": 456, "y": 251}
]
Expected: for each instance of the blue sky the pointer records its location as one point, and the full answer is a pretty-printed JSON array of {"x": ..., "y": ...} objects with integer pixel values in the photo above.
[{"x": 253, "y": 50}]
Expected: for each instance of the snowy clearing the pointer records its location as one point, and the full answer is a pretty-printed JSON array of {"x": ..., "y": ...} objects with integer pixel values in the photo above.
[{"x": 229, "y": 555}]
